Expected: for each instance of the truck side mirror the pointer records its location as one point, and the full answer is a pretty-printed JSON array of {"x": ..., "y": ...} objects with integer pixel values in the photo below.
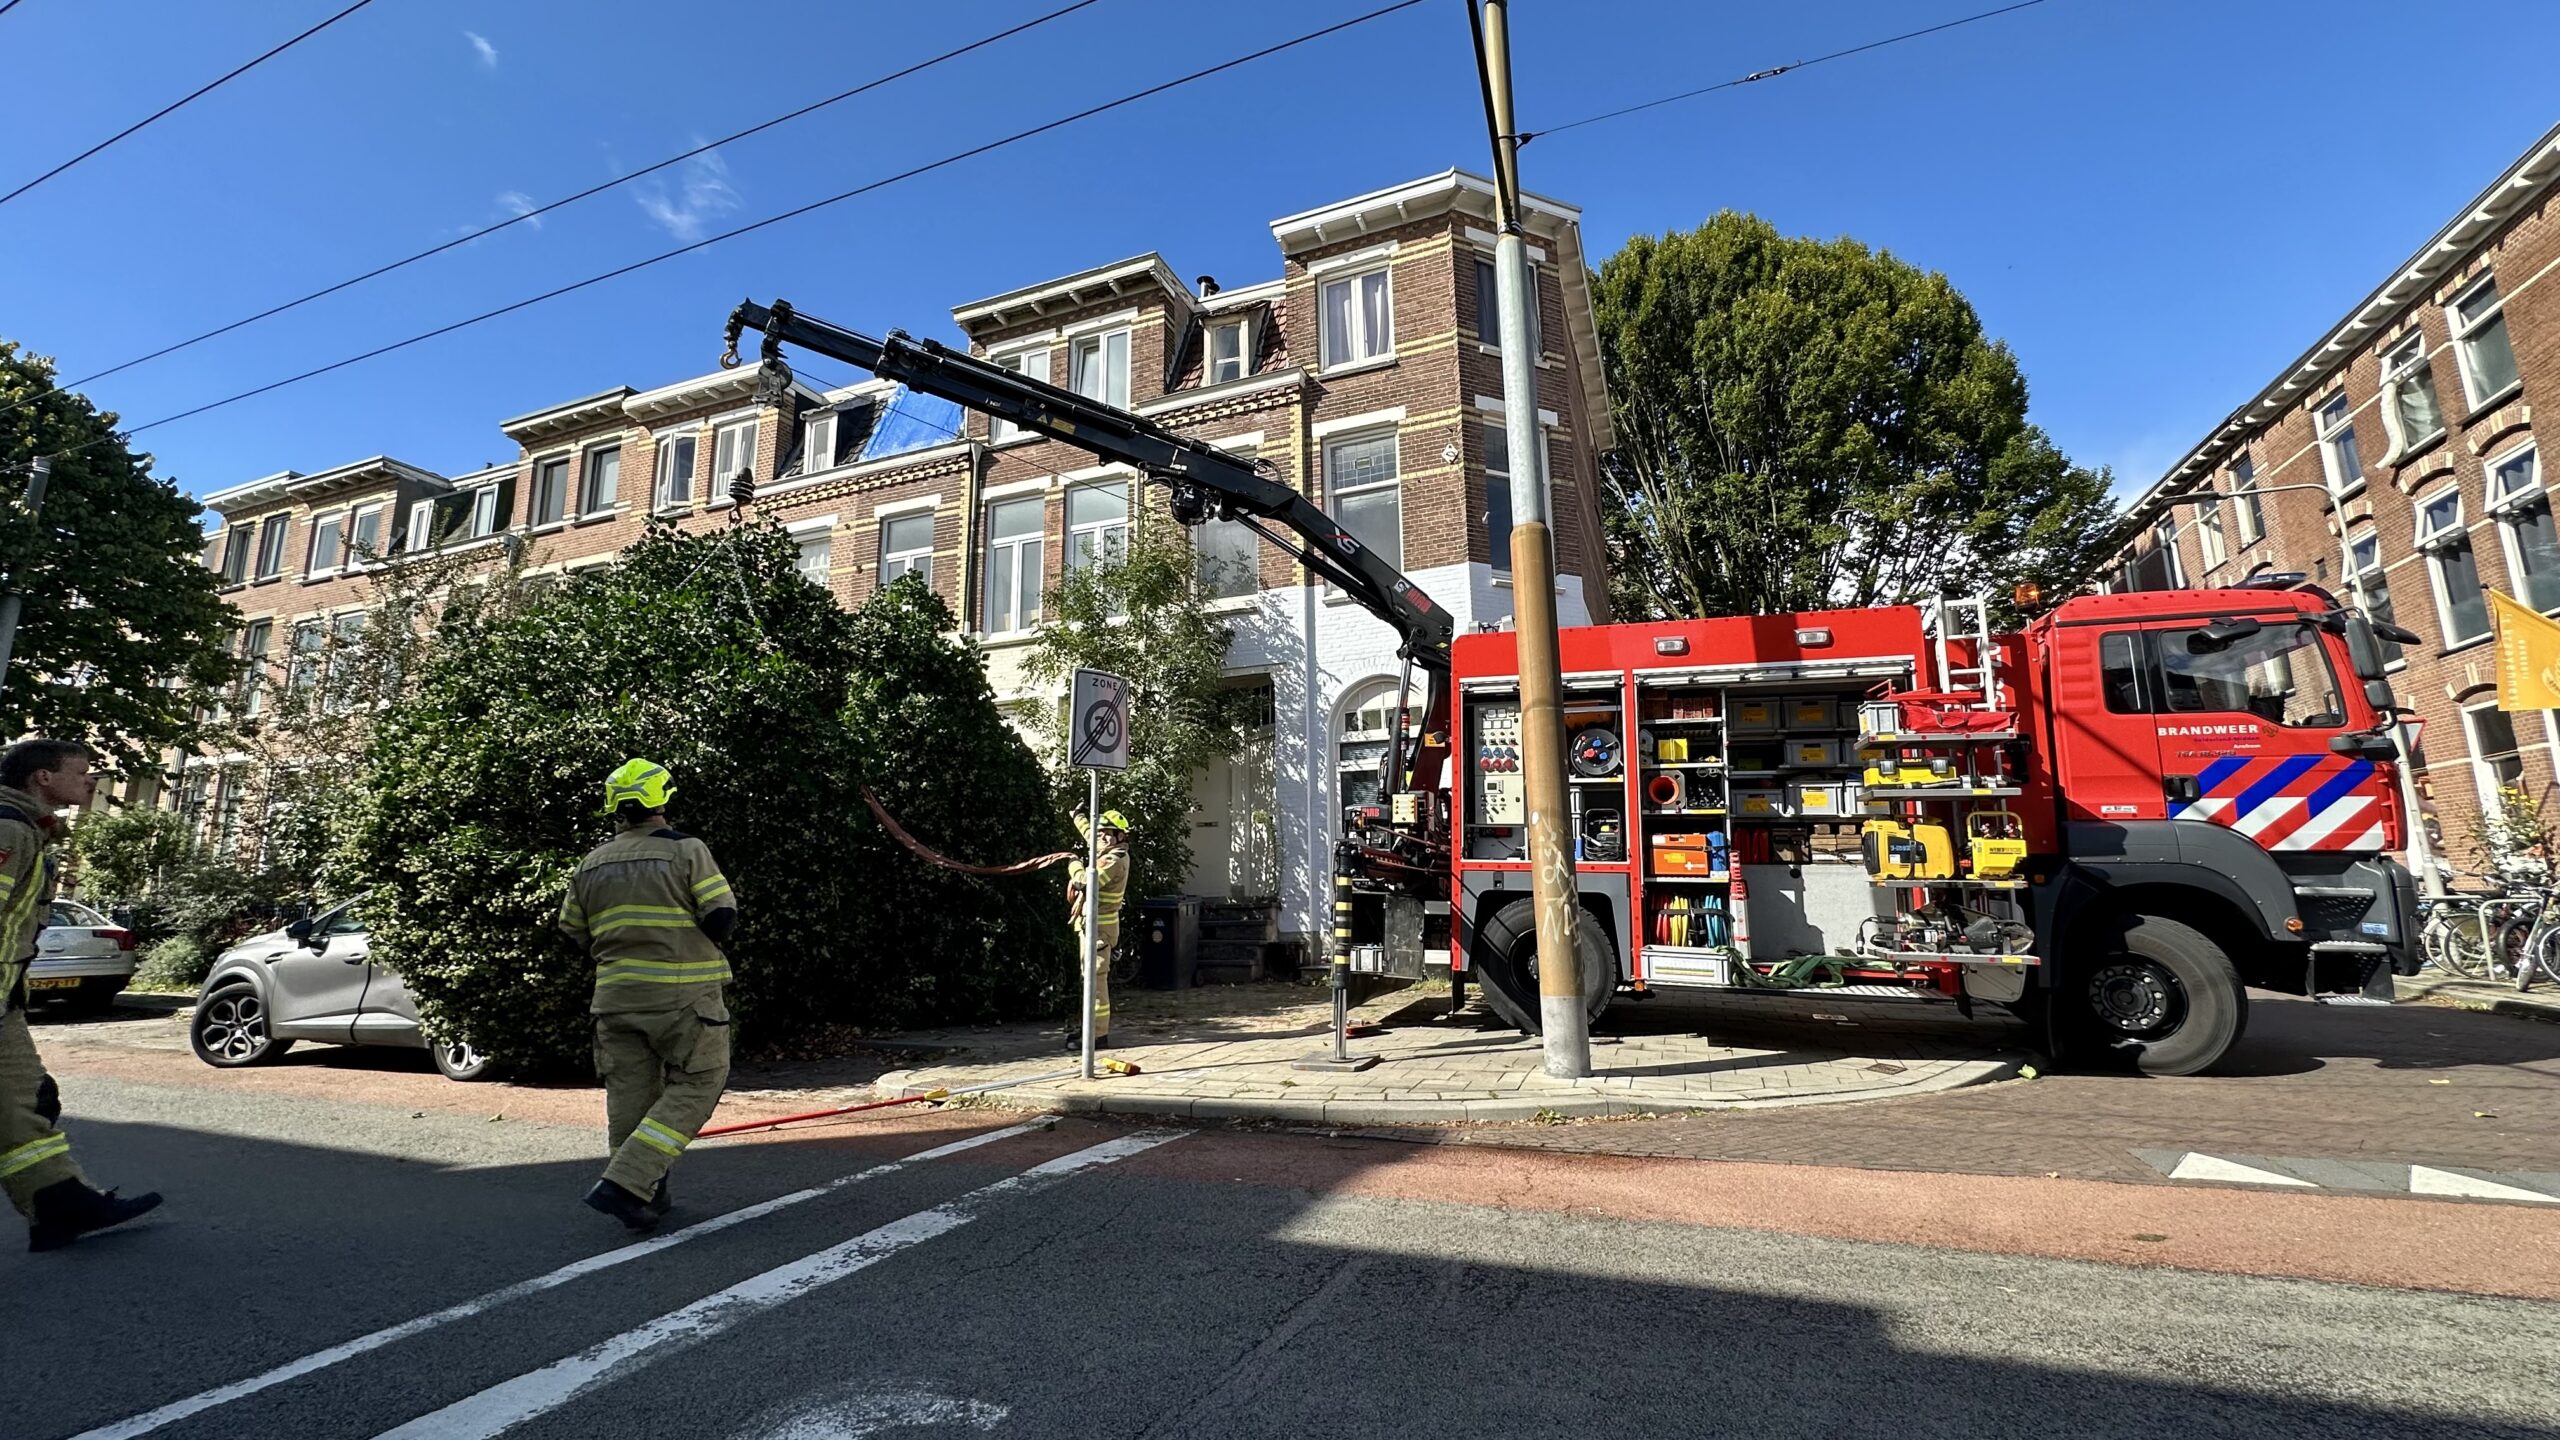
[
  {"x": 2363, "y": 651},
  {"x": 2371, "y": 745},
  {"x": 2221, "y": 635}
]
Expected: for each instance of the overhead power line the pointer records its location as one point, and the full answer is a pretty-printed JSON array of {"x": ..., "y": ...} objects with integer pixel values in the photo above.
[
  {"x": 8, "y": 5},
  {"x": 1775, "y": 71},
  {"x": 567, "y": 200},
  {"x": 812, "y": 207},
  {"x": 199, "y": 93}
]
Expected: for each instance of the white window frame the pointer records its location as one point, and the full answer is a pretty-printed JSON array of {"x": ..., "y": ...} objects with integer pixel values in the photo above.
[
  {"x": 1099, "y": 531},
  {"x": 1030, "y": 364},
  {"x": 2436, "y": 541},
  {"x": 1335, "y": 493},
  {"x": 2509, "y": 503},
  {"x": 485, "y": 519},
  {"x": 240, "y": 540},
  {"x": 379, "y": 512},
  {"x": 691, "y": 439},
  {"x": 1036, "y": 543},
  {"x": 2466, "y": 333},
  {"x": 1377, "y": 694},
  {"x": 587, "y": 460},
  {"x": 566, "y": 464},
  {"x": 1361, "y": 348},
  {"x": 2246, "y": 505},
  {"x": 1241, "y": 327},
  {"x": 282, "y": 527},
  {"x": 2210, "y": 540},
  {"x": 2484, "y": 779},
  {"x": 821, "y": 533},
  {"x": 743, "y": 452},
  {"x": 1095, "y": 349},
  {"x": 2328, "y": 434},
  {"x": 913, "y": 560},
  {"x": 253, "y": 674},
  {"x": 333, "y": 523},
  {"x": 1500, "y": 560},
  {"x": 2372, "y": 573},
  {"x": 818, "y": 442},
  {"x": 302, "y": 661},
  {"x": 1488, "y": 276},
  {"x": 2408, "y": 364},
  {"x": 2164, "y": 539}
]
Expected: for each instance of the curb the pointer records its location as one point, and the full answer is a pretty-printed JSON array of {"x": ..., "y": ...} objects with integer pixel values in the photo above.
[
  {"x": 2479, "y": 995},
  {"x": 1568, "y": 1100}
]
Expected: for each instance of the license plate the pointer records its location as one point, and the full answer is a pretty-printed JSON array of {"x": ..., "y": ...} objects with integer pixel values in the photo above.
[{"x": 73, "y": 983}]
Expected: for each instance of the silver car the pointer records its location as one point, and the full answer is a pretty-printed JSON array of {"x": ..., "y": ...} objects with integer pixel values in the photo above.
[
  {"x": 312, "y": 980},
  {"x": 83, "y": 960}
]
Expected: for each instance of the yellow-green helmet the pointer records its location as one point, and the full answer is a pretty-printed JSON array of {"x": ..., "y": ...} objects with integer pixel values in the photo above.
[
  {"x": 644, "y": 782},
  {"x": 1111, "y": 820}
]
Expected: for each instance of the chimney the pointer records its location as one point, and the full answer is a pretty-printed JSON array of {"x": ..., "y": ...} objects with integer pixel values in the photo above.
[{"x": 1208, "y": 286}]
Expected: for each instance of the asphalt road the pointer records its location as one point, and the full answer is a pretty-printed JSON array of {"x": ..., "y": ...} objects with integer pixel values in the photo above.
[{"x": 1076, "y": 1279}]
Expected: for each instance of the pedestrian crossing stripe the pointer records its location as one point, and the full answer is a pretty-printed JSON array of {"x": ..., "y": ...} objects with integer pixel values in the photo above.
[{"x": 2352, "y": 1175}]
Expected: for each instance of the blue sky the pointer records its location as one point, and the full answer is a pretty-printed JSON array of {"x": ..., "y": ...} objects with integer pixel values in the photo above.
[{"x": 2154, "y": 204}]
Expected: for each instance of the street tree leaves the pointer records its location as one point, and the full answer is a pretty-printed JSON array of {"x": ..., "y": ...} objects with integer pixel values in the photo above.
[
  {"x": 1808, "y": 424},
  {"x": 121, "y": 634},
  {"x": 1142, "y": 618}
]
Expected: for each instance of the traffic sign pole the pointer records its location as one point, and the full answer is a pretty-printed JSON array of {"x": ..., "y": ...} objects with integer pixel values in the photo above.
[{"x": 1092, "y": 901}]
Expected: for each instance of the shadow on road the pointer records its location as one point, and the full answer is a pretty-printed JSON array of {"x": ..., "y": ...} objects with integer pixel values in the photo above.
[{"x": 1149, "y": 1300}]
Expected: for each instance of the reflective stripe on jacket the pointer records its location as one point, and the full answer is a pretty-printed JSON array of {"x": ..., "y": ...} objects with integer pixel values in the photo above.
[
  {"x": 636, "y": 903},
  {"x": 24, "y": 879},
  {"x": 1115, "y": 886}
]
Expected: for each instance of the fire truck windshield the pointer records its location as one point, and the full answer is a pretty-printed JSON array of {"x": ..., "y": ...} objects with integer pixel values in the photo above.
[{"x": 2280, "y": 674}]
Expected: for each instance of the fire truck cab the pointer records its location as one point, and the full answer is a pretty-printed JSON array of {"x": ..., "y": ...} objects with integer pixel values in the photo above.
[{"x": 2111, "y": 823}]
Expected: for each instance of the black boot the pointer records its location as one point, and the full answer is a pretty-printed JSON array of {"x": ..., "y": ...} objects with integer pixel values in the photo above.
[
  {"x": 661, "y": 1202},
  {"x": 1075, "y": 1042},
  {"x": 622, "y": 1205},
  {"x": 68, "y": 1209}
]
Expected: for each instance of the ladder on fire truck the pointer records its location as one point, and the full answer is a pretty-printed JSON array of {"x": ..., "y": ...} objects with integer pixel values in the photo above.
[{"x": 1948, "y": 619}]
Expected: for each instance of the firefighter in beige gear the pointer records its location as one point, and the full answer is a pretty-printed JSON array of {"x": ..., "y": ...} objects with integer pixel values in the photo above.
[
  {"x": 1114, "y": 865},
  {"x": 652, "y": 909},
  {"x": 39, "y": 778}
]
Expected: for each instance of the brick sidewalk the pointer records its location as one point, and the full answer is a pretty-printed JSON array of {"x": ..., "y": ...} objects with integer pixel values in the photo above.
[
  {"x": 1650, "y": 1058},
  {"x": 2422, "y": 1084}
]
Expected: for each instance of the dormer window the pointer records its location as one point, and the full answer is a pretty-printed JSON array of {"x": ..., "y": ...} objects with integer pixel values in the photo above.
[
  {"x": 1230, "y": 350},
  {"x": 818, "y": 443}
]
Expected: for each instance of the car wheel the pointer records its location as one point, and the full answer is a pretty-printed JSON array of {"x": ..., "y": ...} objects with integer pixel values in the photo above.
[
  {"x": 230, "y": 1029},
  {"x": 456, "y": 1060}
]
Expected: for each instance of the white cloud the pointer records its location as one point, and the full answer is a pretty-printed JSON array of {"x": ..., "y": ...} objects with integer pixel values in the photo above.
[
  {"x": 488, "y": 53},
  {"x": 702, "y": 194},
  {"x": 518, "y": 204}
]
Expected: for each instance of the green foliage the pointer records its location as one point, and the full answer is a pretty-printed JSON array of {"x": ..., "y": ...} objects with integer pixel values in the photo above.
[
  {"x": 937, "y": 752},
  {"x": 124, "y": 853},
  {"x": 179, "y": 962},
  {"x": 711, "y": 655},
  {"x": 1142, "y": 619},
  {"x": 1805, "y": 424},
  {"x": 2512, "y": 833},
  {"x": 122, "y": 632}
]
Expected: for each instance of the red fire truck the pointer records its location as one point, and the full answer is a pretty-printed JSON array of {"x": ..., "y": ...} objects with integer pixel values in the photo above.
[{"x": 2109, "y": 823}]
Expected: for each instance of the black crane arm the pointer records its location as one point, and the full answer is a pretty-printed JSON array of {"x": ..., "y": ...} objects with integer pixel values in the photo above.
[{"x": 1206, "y": 481}]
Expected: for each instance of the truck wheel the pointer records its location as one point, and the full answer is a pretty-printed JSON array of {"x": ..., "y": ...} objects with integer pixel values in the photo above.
[
  {"x": 1505, "y": 964},
  {"x": 2158, "y": 994}
]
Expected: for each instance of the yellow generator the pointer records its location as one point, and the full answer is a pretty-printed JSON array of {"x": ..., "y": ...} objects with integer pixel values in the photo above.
[
  {"x": 1909, "y": 850},
  {"x": 1995, "y": 843}
]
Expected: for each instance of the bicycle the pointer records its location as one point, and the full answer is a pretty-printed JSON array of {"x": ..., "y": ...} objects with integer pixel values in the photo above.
[{"x": 2456, "y": 934}]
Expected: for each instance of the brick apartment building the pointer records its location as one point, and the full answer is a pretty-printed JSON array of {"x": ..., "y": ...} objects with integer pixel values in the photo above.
[
  {"x": 2413, "y": 422},
  {"x": 1366, "y": 372}
]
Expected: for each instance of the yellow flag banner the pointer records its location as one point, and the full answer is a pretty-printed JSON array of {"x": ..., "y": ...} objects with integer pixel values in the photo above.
[{"x": 2528, "y": 656}]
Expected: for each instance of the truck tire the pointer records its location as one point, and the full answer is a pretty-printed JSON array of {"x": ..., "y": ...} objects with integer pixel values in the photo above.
[
  {"x": 1505, "y": 964},
  {"x": 2157, "y": 994}
]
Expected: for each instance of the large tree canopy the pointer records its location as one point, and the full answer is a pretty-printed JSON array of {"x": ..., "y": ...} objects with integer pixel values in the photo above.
[
  {"x": 121, "y": 630},
  {"x": 1805, "y": 424}
]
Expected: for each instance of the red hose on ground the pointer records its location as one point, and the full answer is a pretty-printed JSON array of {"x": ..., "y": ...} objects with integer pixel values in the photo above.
[{"x": 819, "y": 1114}]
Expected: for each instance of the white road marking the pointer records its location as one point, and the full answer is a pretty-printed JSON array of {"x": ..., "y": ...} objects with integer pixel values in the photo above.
[
  {"x": 2195, "y": 1166},
  {"x": 177, "y": 1410},
  {"x": 504, "y": 1406},
  {"x": 866, "y": 1415},
  {"x": 2427, "y": 1180}
]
